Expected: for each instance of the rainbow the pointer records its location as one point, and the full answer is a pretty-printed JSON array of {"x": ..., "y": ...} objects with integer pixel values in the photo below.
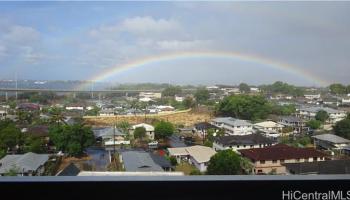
[{"x": 146, "y": 61}]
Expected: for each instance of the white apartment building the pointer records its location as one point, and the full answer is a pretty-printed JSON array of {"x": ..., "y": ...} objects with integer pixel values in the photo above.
[{"x": 233, "y": 126}]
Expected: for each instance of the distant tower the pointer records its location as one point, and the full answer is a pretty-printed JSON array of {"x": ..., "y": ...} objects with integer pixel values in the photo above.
[
  {"x": 92, "y": 89},
  {"x": 16, "y": 82}
]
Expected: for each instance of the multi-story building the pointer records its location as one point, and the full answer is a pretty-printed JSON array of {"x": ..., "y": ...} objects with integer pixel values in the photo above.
[
  {"x": 271, "y": 159},
  {"x": 237, "y": 142},
  {"x": 233, "y": 126}
]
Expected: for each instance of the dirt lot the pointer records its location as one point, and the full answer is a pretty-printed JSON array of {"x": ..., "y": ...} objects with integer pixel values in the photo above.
[{"x": 186, "y": 118}]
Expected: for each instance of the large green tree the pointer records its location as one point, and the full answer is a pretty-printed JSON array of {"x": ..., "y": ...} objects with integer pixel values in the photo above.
[
  {"x": 34, "y": 144},
  {"x": 342, "y": 128},
  {"x": 72, "y": 139},
  {"x": 140, "y": 132},
  {"x": 224, "y": 162},
  {"x": 163, "y": 129},
  {"x": 171, "y": 91},
  {"x": 188, "y": 102},
  {"x": 314, "y": 124},
  {"x": 124, "y": 126},
  {"x": 283, "y": 88},
  {"x": 244, "y": 107},
  {"x": 337, "y": 88},
  {"x": 10, "y": 135},
  {"x": 282, "y": 109},
  {"x": 202, "y": 95},
  {"x": 322, "y": 116},
  {"x": 244, "y": 88}
]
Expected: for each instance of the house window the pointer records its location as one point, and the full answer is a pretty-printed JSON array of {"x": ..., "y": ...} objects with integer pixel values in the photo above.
[
  {"x": 315, "y": 158},
  {"x": 237, "y": 146},
  {"x": 251, "y": 146},
  {"x": 230, "y": 146},
  {"x": 297, "y": 160},
  {"x": 244, "y": 146},
  {"x": 259, "y": 171},
  {"x": 262, "y": 161},
  {"x": 281, "y": 161},
  {"x": 274, "y": 161}
]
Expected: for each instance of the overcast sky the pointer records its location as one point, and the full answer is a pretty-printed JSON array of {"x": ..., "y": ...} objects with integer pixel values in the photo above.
[{"x": 77, "y": 40}]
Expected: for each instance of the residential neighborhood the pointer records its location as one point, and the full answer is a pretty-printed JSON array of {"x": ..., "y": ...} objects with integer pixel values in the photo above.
[{"x": 71, "y": 135}]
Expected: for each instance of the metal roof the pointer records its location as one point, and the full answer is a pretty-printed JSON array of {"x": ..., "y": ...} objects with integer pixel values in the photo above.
[
  {"x": 232, "y": 121},
  {"x": 316, "y": 109},
  {"x": 25, "y": 162},
  {"x": 331, "y": 138},
  {"x": 139, "y": 161}
]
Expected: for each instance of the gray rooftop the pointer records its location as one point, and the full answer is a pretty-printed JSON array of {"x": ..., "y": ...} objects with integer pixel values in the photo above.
[
  {"x": 139, "y": 161},
  {"x": 251, "y": 139},
  {"x": 232, "y": 121},
  {"x": 106, "y": 132},
  {"x": 24, "y": 162},
  {"x": 315, "y": 109},
  {"x": 331, "y": 138}
]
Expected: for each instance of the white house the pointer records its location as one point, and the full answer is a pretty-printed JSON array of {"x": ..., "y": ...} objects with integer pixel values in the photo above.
[
  {"x": 198, "y": 156},
  {"x": 312, "y": 96},
  {"x": 75, "y": 107},
  {"x": 237, "y": 142},
  {"x": 254, "y": 89},
  {"x": 151, "y": 95},
  {"x": 179, "y": 99},
  {"x": 3, "y": 113},
  {"x": 162, "y": 108},
  {"x": 270, "y": 128},
  {"x": 145, "y": 99},
  {"x": 212, "y": 87},
  {"x": 345, "y": 100},
  {"x": 233, "y": 126},
  {"x": 310, "y": 113},
  {"x": 149, "y": 130}
]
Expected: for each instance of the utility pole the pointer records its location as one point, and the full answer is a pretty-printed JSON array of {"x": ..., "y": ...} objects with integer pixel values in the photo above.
[{"x": 114, "y": 139}]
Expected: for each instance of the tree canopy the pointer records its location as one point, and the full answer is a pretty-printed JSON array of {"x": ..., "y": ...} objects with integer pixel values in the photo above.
[
  {"x": 10, "y": 135},
  {"x": 314, "y": 124},
  {"x": 202, "y": 95},
  {"x": 283, "y": 88},
  {"x": 188, "y": 102},
  {"x": 244, "y": 88},
  {"x": 244, "y": 107},
  {"x": 171, "y": 91},
  {"x": 72, "y": 139},
  {"x": 338, "y": 88},
  {"x": 140, "y": 132},
  {"x": 224, "y": 162},
  {"x": 282, "y": 109},
  {"x": 163, "y": 129},
  {"x": 322, "y": 116},
  {"x": 342, "y": 128}
]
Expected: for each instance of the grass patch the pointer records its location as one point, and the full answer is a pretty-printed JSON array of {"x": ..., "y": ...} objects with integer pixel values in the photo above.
[{"x": 185, "y": 167}]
